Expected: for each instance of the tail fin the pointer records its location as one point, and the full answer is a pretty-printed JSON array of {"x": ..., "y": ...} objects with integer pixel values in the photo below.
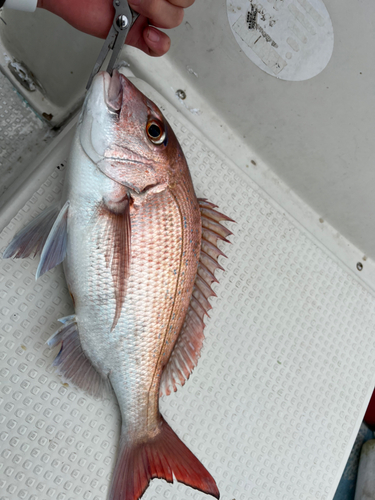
[{"x": 164, "y": 456}]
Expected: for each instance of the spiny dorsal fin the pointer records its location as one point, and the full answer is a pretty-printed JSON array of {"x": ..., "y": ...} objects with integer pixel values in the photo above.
[
  {"x": 188, "y": 347},
  {"x": 72, "y": 363}
]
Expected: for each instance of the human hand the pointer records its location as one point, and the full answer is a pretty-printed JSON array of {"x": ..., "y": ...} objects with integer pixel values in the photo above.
[{"x": 96, "y": 16}]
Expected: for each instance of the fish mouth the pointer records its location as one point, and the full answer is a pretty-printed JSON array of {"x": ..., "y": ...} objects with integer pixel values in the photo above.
[
  {"x": 97, "y": 127},
  {"x": 114, "y": 92},
  {"x": 106, "y": 140}
]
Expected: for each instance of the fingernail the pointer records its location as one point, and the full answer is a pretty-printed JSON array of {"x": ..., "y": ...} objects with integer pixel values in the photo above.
[{"x": 153, "y": 35}]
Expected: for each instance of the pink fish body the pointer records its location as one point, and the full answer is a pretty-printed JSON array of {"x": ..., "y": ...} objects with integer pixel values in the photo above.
[{"x": 140, "y": 255}]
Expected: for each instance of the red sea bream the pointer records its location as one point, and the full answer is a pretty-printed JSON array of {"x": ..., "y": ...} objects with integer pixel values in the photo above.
[{"x": 140, "y": 252}]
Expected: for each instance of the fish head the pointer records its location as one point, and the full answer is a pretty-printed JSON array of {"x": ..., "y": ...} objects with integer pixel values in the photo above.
[{"x": 127, "y": 137}]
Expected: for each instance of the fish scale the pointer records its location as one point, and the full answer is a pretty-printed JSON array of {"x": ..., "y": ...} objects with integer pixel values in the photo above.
[
  {"x": 160, "y": 236},
  {"x": 151, "y": 273}
]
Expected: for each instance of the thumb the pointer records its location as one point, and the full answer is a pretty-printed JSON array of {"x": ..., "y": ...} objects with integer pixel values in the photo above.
[{"x": 147, "y": 38}]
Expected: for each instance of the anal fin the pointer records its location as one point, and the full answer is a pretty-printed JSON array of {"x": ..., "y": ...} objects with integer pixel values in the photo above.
[
  {"x": 187, "y": 350},
  {"x": 72, "y": 363}
]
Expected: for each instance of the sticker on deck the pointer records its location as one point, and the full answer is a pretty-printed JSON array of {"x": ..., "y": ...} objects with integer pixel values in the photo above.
[{"x": 288, "y": 39}]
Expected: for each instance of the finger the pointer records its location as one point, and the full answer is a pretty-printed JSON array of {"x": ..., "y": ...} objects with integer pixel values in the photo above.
[
  {"x": 184, "y": 4},
  {"x": 157, "y": 41},
  {"x": 161, "y": 13},
  {"x": 147, "y": 38}
]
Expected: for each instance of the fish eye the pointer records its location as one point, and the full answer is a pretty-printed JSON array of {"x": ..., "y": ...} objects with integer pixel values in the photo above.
[{"x": 155, "y": 132}]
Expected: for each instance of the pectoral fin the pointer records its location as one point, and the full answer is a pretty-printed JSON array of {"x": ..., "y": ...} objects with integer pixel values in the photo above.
[
  {"x": 32, "y": 238},
  {"x": 54, "y": 249},
  {"x": 187, "y": 350},
  {"x": 116, "y": 231}
]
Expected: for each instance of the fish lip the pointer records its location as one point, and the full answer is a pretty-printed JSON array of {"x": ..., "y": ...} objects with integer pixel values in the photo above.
[
  {"x": 139, "y": 160},
  {"x": 128, "y": 185},
  {"x": 129, "y": 162},
  {"x": 129, "y": 156},
  {"x": 112, "y": 88}
]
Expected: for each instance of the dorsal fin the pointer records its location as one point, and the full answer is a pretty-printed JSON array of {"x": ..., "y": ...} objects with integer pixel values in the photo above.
[{"x": 186, "y": 352}]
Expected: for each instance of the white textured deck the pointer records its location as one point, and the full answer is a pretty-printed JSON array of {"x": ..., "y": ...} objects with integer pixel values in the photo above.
[
  {"x": 22, "y": 134},
  {"x": 280, "y": 390}
]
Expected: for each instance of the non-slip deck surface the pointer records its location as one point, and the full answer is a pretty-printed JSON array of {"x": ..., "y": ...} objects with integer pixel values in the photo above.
[
  {"x": 279, "y": 392},
  {"x": 22, "y": 134}
]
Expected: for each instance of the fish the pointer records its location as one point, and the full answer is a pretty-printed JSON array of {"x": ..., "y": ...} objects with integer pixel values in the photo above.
[{"x": 139, "y": 252}]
